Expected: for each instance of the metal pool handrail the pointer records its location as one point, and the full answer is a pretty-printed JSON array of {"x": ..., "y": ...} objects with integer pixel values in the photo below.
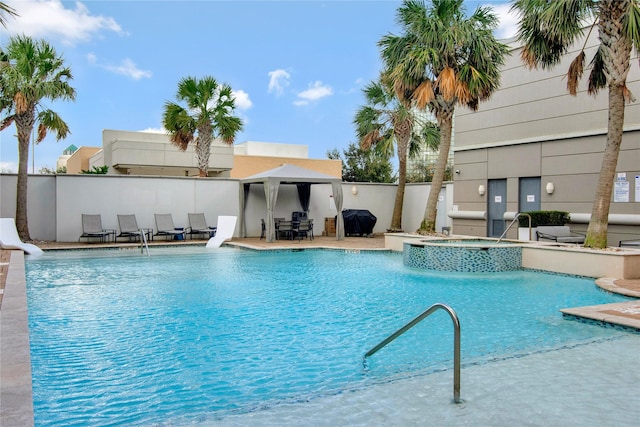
[
  {"x": 456, "y": 342},
  {"x": 143, "y": 242},
  {"x": 512, "y": 222}
]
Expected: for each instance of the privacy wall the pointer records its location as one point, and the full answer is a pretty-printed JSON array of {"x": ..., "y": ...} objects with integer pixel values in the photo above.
[{"x": 57, "y": 202}]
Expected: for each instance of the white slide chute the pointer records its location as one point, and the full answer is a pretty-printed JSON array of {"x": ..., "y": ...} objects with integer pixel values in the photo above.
[
  {"x": 225, "y": 229},
  {"x": 9, "y": 238}
]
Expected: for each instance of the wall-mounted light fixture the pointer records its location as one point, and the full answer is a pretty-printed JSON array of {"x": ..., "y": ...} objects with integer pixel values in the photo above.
[
  {"x": 354, "y": 190},
  {"x": 481, "y": 190},
  {"x": 457, "y": 171},
  {"x": 550, "y": 188}
]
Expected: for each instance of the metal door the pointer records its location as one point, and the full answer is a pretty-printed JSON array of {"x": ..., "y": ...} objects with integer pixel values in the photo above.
[
  {"x": 497, "y": 206},
  {"x": 529, "y": 199}
]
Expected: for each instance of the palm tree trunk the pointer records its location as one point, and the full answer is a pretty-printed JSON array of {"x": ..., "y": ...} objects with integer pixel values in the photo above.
[
  {"x": 22, "y": 224},
  {"x": 203, "y": 149},
  {"x": 431, "y": 212},
  {"x": 597, "y": 231},
  {"x": 396, "y": 218},
  {"x": 617, "y": 47}
]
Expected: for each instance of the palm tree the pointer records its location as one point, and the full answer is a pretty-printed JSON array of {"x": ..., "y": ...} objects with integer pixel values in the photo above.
[
  {"x": 443, "y": 59},
  {"x": 5, "y": 8},
  {"x": 206, "y": 115},
  {"x": 547, "y": 30},
  {"x": 31, "y": 72},
  {"x": 386, "y": 121}
]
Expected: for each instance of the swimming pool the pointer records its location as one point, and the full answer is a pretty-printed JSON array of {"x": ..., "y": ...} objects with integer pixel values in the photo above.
[{"x": 199, "y": 335}]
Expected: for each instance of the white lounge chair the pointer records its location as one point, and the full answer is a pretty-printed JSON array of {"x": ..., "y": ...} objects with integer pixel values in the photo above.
[
  {"x": 9, "y": 238},
  {"x": 226, "y": 228}
]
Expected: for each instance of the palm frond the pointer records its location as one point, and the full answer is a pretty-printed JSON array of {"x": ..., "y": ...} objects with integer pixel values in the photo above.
[
  {"x": 632, "y": 25},
  {"x": 447, "y": 83},
  {"x": 628, "y": 96},
  {"x": 181, "y": 139},
  {"x": 370, "y": 139},
  {"x": 423, "y": 94},
  {"x": 575, "y": 73},
  {"x": 42, "y": 133},
  {"x": 548, "y": 28},
  {"x": 597, "y": 76},
  {"x": 49, "y": 120},
  {"x": 463, "y": 93},
  {"x": 6, "y": 122},
  {"x": 5, "y": 8}
]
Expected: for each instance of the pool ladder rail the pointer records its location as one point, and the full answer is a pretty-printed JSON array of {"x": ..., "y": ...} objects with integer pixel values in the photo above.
[
  {"x": 456, "y": 343},
  {"x": 143, "y": 242},
  {"x": 513, "y": 222}
]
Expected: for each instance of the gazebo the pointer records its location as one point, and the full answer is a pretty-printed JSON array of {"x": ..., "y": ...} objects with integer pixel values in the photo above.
[{"x": 293, "y": 175}]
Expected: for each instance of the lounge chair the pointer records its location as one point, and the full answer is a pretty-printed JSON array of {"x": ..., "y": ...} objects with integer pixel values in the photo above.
[
  {"x": 129, "y": 228},
  {"x": 629, "y": 244},
  {"x": 165, "y": 227},
  {"x": 198, "y": 225},
  {"x": 9, "y": 238},
  {"x": 226, "y": 228},
  {"x": 559, "y": 233},
  {"x": 92, "y": 228}
]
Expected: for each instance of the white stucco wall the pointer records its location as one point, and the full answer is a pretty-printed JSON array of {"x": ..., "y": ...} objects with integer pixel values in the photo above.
[{"x": 57, "y": 202}]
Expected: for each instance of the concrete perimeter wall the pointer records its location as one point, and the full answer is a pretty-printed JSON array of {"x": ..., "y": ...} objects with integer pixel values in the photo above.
[{"x": 56, "y": 202}]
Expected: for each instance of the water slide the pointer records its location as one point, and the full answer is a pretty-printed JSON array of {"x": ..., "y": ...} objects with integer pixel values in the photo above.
[
  {"x": 225, "y": 228},
  {"x": 9, "y": 238}
]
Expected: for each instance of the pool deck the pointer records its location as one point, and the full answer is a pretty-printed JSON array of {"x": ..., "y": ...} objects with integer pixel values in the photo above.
[{"x": 16, "y": 408}]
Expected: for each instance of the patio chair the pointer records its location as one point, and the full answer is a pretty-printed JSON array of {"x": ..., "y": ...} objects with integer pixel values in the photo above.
[
  {"x": 305, "y": 229},
  {"x": 129, "y": 228},
  {"x": 198, "y": 225},
  {"x": 284, "y": 227},
  {"x": 165, "y": 227},
  {"x": 92, "y": 228}
]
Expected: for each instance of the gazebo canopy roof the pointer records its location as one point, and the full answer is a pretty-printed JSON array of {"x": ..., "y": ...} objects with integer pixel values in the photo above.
[{"x": 291, "y": 174}]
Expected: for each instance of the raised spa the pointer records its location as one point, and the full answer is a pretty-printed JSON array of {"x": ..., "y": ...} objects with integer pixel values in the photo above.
[{"x": 463, "y": 255}]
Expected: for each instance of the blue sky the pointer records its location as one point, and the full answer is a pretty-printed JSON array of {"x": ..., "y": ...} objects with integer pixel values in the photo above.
[{"x": 297, "y": 68}]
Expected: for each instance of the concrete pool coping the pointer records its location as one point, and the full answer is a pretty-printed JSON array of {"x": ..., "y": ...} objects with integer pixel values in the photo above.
[{"x": 16, "y": 402}]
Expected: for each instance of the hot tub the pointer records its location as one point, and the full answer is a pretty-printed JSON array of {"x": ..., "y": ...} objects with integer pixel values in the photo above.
[{"x": 463, "y": 255}]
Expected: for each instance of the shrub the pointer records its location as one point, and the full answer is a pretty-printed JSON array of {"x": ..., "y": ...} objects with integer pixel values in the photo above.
[{"x": 544, "y": 218}]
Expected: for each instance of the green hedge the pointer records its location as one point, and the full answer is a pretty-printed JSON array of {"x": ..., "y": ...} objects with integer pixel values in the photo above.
[{"x": 544, "y": 218}]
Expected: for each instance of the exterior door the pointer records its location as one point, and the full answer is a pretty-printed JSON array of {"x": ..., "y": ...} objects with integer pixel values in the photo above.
[
  {"x": 497, "y": 206},
  {"x": 529, "y": 194}
]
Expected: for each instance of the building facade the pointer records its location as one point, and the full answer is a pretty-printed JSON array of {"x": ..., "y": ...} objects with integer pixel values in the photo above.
[
  {"x": 144, "y": 153},
  {"x": 533, "y": 146}
]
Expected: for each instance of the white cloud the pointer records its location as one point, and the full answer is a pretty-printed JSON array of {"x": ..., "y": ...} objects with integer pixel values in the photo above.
[
  {"x": 126, "y": 68},
  {"x": 154, "y": 130},
  {"x": 49, "y": 18},
  {"x": 242, "y": 100},
  {"x": 508, "y": 25},
  {"x": 278, "y": 81},
  {"x": 8, "y": 167},
  {"x": 316, "y": 91}
]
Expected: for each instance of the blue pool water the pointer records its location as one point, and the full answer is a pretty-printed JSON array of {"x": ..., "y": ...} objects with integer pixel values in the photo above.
[{"x": 190, "y": 335}]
